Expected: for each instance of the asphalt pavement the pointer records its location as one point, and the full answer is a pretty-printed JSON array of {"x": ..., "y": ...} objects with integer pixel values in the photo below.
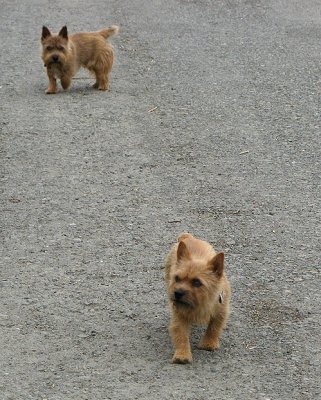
[{"x": 212, "y": 126}]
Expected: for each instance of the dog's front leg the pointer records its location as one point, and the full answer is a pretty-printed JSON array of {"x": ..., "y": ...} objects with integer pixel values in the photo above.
[
  {"x": 179, "y": 331},
  {"x": 52, "y": 86},
  {"x": 65, "y": 82},
  {"x": 211, "y": 339}
]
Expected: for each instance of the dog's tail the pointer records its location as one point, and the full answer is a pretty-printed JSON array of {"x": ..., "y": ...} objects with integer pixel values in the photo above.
[{"x": 105, "y": 33}]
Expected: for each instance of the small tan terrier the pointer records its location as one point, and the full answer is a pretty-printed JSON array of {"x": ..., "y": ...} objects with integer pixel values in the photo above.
[
  {"x": 199, "y": 293},
  {"x": 63, "y": 55}
]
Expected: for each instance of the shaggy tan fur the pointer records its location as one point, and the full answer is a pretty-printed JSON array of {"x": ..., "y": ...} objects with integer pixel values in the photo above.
[
  {"x": 199, "y": 293},
  {"x": 63, "y": 55}
]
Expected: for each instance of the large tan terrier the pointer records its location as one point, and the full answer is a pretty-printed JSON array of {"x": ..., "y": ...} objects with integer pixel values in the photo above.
[
  {"x": 63, "y": 56},
  {"x": 199, "y": 293}
]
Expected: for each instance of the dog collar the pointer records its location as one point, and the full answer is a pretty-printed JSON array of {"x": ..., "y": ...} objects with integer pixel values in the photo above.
[{"x": 221, "y": 297}]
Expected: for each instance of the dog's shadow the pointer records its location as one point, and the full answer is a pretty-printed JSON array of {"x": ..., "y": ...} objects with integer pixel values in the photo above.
[
  {"x": 80, "y": 86},
  {"x": 157, "y": 340}
]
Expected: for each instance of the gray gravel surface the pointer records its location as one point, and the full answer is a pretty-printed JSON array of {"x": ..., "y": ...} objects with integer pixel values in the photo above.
[{"x": 95, "y": 187}]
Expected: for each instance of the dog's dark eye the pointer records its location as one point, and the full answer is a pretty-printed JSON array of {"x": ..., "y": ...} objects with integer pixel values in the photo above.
[
  {"x": 196, "y": 283},
  {"x": 49, "y": 48},
  {"x": 60, "y": 48},
  {"x": 177, "y": 278}
]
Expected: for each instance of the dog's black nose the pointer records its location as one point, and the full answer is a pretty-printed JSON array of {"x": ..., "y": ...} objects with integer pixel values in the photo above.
[
  {"x": 179, "y": 293},
  {"x": 55, "y": 58}
]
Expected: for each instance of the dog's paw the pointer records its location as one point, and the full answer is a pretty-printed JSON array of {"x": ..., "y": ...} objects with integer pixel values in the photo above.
[
  {"x": 209, "y": 345},
  {"x": 49, "y": 91},
  {"x": 181, "y": 358}
]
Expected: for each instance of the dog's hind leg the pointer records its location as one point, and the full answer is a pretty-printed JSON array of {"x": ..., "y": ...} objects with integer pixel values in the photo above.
[{"x": 102, "y": 68}]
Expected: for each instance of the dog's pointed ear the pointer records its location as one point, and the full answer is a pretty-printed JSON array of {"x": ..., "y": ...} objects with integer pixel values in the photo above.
[
  {"x": 63, "y": 32},
  {"x": 182, "y": 251},
  {"x": 45, "y": 33},
  {"x": 217, "y": 264}
]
